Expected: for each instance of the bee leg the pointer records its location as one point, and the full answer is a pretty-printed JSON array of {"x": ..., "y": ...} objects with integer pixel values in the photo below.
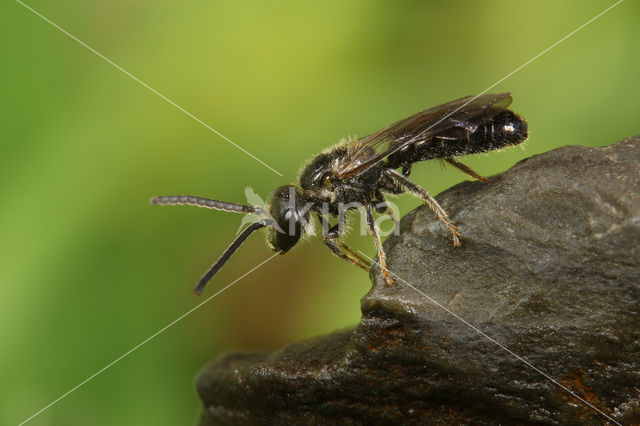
[
  {"x": 468, "y": 170},
  {"x": 330, "y": 238},
  {"x": 396, "y": 222},
  {"x": 382, "y": 207},
  {"x": 379, "y": 203},
  {"x": 429, "y": 200},
  {"x": 365, "y": 264},
  {"x": 382, "y": 258}
]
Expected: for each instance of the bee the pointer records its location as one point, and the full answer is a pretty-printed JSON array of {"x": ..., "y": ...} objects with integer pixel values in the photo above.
[{"x": 357, "y": 174}]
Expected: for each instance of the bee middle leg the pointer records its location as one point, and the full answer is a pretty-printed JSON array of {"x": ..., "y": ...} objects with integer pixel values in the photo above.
[
  {"x": 382, "y": 258},
  {"x": 431, "y": 202},
  {"x": 340, "y": 249},
  {"x": 382, "y": 207}
]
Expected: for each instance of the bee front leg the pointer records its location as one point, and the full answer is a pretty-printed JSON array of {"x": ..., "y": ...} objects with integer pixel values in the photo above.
[
  {"x": 429, "y": 200},
  {"x": 340, "y": 249},
  {"x": 382, "y": 258}
]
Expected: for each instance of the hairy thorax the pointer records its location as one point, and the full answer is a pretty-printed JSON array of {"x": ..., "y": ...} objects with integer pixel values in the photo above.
[{"x": 320, "y": 187}]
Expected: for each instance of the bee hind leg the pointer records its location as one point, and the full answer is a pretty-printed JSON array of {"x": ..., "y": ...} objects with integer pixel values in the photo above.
[
  {"x": 429, "y": 200},
  {"x": 468, "y": 170}
]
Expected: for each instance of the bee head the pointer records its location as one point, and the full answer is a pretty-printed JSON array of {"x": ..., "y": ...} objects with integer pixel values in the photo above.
[{"x": 291, "y": 217}]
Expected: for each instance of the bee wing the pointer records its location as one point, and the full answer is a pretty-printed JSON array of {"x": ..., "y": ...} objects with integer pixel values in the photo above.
[{"x": 420, "y": 127}]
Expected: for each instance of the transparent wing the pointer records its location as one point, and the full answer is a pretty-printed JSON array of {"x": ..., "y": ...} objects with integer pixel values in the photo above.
[{"x": 421, "y": 127}]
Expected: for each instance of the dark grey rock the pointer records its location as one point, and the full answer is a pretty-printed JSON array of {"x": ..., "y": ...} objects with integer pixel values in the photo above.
[{"x": 549, "y": 267}]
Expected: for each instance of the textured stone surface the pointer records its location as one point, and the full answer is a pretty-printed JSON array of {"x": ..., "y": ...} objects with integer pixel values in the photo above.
[{"x": 549, "y": 268}]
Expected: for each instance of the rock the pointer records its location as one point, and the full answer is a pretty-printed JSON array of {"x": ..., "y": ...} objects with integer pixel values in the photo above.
[{"x": 541, "y": 300}]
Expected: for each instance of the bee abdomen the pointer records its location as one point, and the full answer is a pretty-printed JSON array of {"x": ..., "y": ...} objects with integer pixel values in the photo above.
[{"x": 503, "y": 129}]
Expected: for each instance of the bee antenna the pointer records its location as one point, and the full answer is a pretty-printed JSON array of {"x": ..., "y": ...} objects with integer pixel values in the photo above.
[
  {"x": 190, "y": 200},
  {"x": 229, "y": 252}
]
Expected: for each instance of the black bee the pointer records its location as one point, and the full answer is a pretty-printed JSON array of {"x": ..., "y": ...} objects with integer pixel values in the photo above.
[{"x": 357, "y": 173}]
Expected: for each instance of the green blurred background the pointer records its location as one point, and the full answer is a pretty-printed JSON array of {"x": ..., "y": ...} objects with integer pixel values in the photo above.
[{"x": 88, "y": 268}]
